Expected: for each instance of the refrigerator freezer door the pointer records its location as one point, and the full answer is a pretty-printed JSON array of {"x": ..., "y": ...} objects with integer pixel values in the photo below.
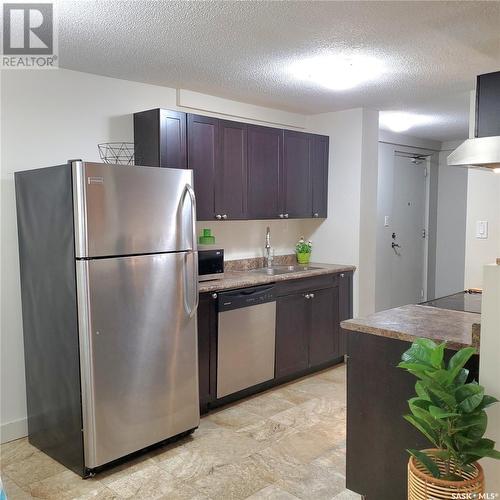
[
  {"x": 127, "y": 210},
  {"x": 138, "y": 349}
]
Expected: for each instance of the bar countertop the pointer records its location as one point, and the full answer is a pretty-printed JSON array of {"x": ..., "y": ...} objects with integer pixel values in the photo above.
[{"x": 457, "y": 328}]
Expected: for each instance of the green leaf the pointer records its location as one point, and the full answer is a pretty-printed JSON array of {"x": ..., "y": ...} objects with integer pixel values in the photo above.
[
  {"x": 487, "y": 401},
  {"x": 485, "y": 452},
  {"x": 469, "y": 397},
  {"x": 419, "y": 402},
  {"x": 427, "y": 462},
  {"x": 420, "y": 390},
  {"x": 437, "y": 356},
  {"x": 420, "y": 352},
  {"x": 423, "y": 427},
  {"x": 443, "y": 397},
  {"x": 439, "y": 413},
  {"x": 458, "y": 360}
]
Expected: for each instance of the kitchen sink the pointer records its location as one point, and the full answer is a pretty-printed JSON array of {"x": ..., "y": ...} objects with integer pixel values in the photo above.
[{"x": 273, "y": 271}]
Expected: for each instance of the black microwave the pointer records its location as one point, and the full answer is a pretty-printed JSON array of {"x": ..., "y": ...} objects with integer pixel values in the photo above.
[{"x": 210, "y": 264}]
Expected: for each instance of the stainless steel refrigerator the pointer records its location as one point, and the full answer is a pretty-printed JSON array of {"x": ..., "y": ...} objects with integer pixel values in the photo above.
[{"x": 110, "y": 292}]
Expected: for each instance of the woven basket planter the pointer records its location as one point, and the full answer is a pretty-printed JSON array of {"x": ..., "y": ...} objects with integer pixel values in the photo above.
[{"x": 423, "y": 486}]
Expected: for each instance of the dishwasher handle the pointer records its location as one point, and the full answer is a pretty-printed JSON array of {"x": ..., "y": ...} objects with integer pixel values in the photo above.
[{"x": 245, "y": 297}]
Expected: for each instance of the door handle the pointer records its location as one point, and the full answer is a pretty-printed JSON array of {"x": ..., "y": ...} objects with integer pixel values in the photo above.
[{"x": 395, "y": 245}]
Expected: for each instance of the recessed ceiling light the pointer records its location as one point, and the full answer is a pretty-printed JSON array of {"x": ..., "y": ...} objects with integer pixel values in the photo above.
[
  {"x": 338, "y": 72},
  {"x": 401, "y": 122},
  {"x": 496, "y": 170}
]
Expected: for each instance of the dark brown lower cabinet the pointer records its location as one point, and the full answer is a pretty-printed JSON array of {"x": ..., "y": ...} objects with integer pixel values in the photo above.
[
  {"x": 324, "y": 327},
  {"x": 207, "y": 349},
  {"x": 292, "y": 325},
  {"x": 308, "y": 333}
]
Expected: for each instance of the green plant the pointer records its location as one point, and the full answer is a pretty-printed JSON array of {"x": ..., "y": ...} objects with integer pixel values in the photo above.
[
  {"x": 303, "y": 247},
  {"x": 447, "y": 409}
]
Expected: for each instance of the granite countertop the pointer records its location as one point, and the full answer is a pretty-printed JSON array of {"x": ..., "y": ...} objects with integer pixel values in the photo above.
[
  {"x": 244, "y": 278},
  {"x": 458, "y": 329}
]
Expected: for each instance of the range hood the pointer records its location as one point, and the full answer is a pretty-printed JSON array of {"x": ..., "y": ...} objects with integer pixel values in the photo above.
[
  {"x": 478, "y": 152},
  {"x": 483, "y": 151}
]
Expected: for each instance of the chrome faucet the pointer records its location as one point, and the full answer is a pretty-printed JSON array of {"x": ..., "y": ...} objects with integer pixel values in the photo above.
[{"x": 269, "y": 256}]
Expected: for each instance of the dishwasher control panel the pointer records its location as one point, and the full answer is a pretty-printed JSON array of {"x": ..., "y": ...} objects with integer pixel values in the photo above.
[{"x": 245, "y": 297}]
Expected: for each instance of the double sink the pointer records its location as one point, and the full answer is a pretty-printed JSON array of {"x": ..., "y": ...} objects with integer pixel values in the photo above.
[{"x": 275, "y": 270}]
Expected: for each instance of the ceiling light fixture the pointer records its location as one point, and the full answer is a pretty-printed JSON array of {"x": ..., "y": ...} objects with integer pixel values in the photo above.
[
  {"x": 338, "y": 72},
  {"x": 401, "y": 122},
  {"x": 496, "y": 170}
]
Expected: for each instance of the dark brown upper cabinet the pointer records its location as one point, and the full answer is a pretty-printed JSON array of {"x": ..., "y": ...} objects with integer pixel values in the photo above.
[
  {"x": 265, "y": 161},
  {"x": 203, "y": 158},
  {"x": 488, "y": 105},
  {"x": 296, "y": 175},
  {"x": 231, "y": 171},
  {"x": 241, "y": 171},
  {"x": 319, "y": 175},
  {"x": 160, "y": 138}
]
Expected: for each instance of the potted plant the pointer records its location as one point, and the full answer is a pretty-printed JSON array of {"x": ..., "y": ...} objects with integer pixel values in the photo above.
[
  {"x": 303, "y": 251},
  {"x": 449, "y": 411}
]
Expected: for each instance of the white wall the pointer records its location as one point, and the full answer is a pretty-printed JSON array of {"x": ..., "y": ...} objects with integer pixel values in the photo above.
[
  {"x": 483, "y": 203},
  {"x": 49, "y": 117},
  {"x": 352, "y": 175},
  {"x": 451, "y": 225}
]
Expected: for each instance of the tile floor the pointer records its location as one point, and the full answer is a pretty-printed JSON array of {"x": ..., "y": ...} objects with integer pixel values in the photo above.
[{"x": 286, "y": 443}]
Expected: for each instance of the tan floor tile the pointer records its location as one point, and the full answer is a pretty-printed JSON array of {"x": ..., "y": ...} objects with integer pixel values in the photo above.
[
  {"x": 126, "y": 468},
  {"x": 234, "y": 417},
  {"x": 334, "y": 459},
  {"x": 272, "y": 492},
  {"x": 267, "y": 431},
  {"x": 233, "y": 481},
  {"x": 336, "y": 374},
  {"x": 65, "y": 485},
  {"x": 15, "y": 451},
  {"x": 294, "y": 397},
  {"x": 36, "y": 467},
  {"x": 265, "y": 405},
  {"x": 13, "y": 491},
  {"x": 305, "y": 481},
  {"x": 322, "y": 388},
  {"x": 347, "y": 495},
  {"x": 148, "y": 483}
]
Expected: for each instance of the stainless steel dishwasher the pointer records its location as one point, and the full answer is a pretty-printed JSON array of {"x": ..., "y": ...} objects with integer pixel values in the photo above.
[{"x": 246, "y": 338}]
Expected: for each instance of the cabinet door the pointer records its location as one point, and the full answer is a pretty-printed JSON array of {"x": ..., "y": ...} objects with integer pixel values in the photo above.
[
  {"x": 292, "y": 330},
  {"x": 207, "y": 331},
  {"x": 487, "y": 105},
  {"x": 296, "y": 178},
  {"x": 324, "y": 332},
  {"x": 172, "y": 139},
  {"x": 231, "y": 171},
  {"x": 265, "y": 159},
  {"x": 345, "y": 307},
  {"x": 319, "y": 175},
  {"x": 203, "y": 152}
]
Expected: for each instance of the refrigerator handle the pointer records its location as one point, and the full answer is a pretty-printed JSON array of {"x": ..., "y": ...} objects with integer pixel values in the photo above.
[
  {"x": 193, "y": 253},
  {"x": 189, "y": 190}
]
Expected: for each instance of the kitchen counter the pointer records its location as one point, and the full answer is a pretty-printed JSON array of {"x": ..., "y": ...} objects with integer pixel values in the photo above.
[
  {"x": 457, "y": 328},
  {"x": 245, "y": 278}
]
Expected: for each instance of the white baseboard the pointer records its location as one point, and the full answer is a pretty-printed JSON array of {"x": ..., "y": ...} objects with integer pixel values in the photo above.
[{"x": 13, "y": 430}]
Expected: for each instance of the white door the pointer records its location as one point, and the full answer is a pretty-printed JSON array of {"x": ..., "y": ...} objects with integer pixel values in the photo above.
[{"x": 408, "y": 237}]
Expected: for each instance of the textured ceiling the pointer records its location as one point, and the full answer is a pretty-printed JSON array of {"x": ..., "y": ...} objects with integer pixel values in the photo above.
[{"x": 242, "y": 50}]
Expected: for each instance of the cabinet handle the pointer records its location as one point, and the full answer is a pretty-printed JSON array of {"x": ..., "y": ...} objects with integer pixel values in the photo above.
[
  {"x": 218, "y": 216},
  {"x": 311, "y": 295},
  {"x": 315, "y": 214},
  {"x": 224, "y": 216},
  {"x": 281, "y": 216},
  {"x": 214, "y": 295},
  {"x": 307, "y": 296},
  {"x": 342, "y": 275},
  {"x": 286, "y": 216}
]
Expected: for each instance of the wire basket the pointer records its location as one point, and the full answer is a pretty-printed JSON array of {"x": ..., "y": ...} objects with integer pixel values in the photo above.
[{"x": 118, "y": 153}]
